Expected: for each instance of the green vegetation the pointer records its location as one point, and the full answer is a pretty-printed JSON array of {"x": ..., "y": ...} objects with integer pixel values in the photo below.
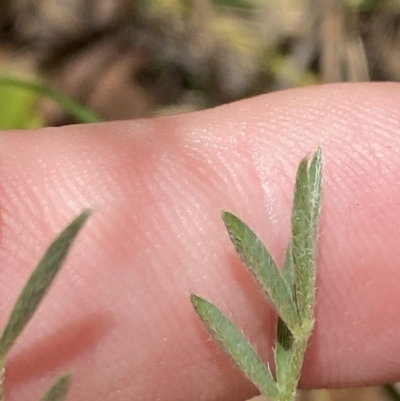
[
  {"x": 30, "y": 298},
  {"x": 291, "y": 291}
]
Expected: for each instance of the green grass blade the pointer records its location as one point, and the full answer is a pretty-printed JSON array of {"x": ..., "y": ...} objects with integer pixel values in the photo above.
[
  {"x": 39, "y": 283},
  {"x": 315, "y": 180},
  {"x": 260, "y": 263},
  {"x": 59, "y": 388},
  {"x": 236, "y": 345},
  {"x": 238, "y": 4},
  {"x": 18, "y": 108},
  {"x": 79, "y": 112}
]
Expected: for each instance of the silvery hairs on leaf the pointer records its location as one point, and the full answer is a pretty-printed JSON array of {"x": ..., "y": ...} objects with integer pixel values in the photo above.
[
  {"x": 290, "y": 290},
  {"x": 236, "y": 345},
  {"x": 39, "y": 283}
]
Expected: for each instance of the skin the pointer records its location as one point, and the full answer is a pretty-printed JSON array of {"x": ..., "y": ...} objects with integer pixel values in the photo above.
[{"x": 119, "y": 314}]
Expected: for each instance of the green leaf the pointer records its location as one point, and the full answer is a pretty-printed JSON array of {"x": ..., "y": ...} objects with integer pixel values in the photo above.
[
  {"x": 39, "y": 283},
  {"x": 260, "y": 263},
  {"x": 59, "y": 389},
  {"x": 305, "y": 216},
  {"x": 315, "y": 178},
  {"x": 236, "y": 345},
  {"x": 303, "y": 243},
  {"x": 288, "y": 269}
]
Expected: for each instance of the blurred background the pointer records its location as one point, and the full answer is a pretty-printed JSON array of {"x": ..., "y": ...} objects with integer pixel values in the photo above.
[
  {"x": 139, "y": 58},
  {"x": 75, "y": 61}
]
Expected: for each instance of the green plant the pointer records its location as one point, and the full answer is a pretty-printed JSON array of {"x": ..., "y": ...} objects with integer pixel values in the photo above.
[
  {"x": 290, "y": 290},
  {"x": 30, "y": 298},
  {"x": 17, "y": 99}
]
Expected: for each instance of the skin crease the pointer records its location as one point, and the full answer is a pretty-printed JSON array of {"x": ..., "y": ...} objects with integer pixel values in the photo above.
[{"x": 119, "y": 314}]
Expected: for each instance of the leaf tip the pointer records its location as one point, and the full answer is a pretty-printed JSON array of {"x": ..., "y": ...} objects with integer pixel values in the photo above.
[
  {"x": 80, "y": 220},
  {"x": 195, "y": 300},
  {"x": 226, "y": 216},
  {"x": 86, "y": 213},
  {"x": 59, "y": 388}
]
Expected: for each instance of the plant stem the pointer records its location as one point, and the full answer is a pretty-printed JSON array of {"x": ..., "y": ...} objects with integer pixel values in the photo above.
[{"x": 299, "y": 346}]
